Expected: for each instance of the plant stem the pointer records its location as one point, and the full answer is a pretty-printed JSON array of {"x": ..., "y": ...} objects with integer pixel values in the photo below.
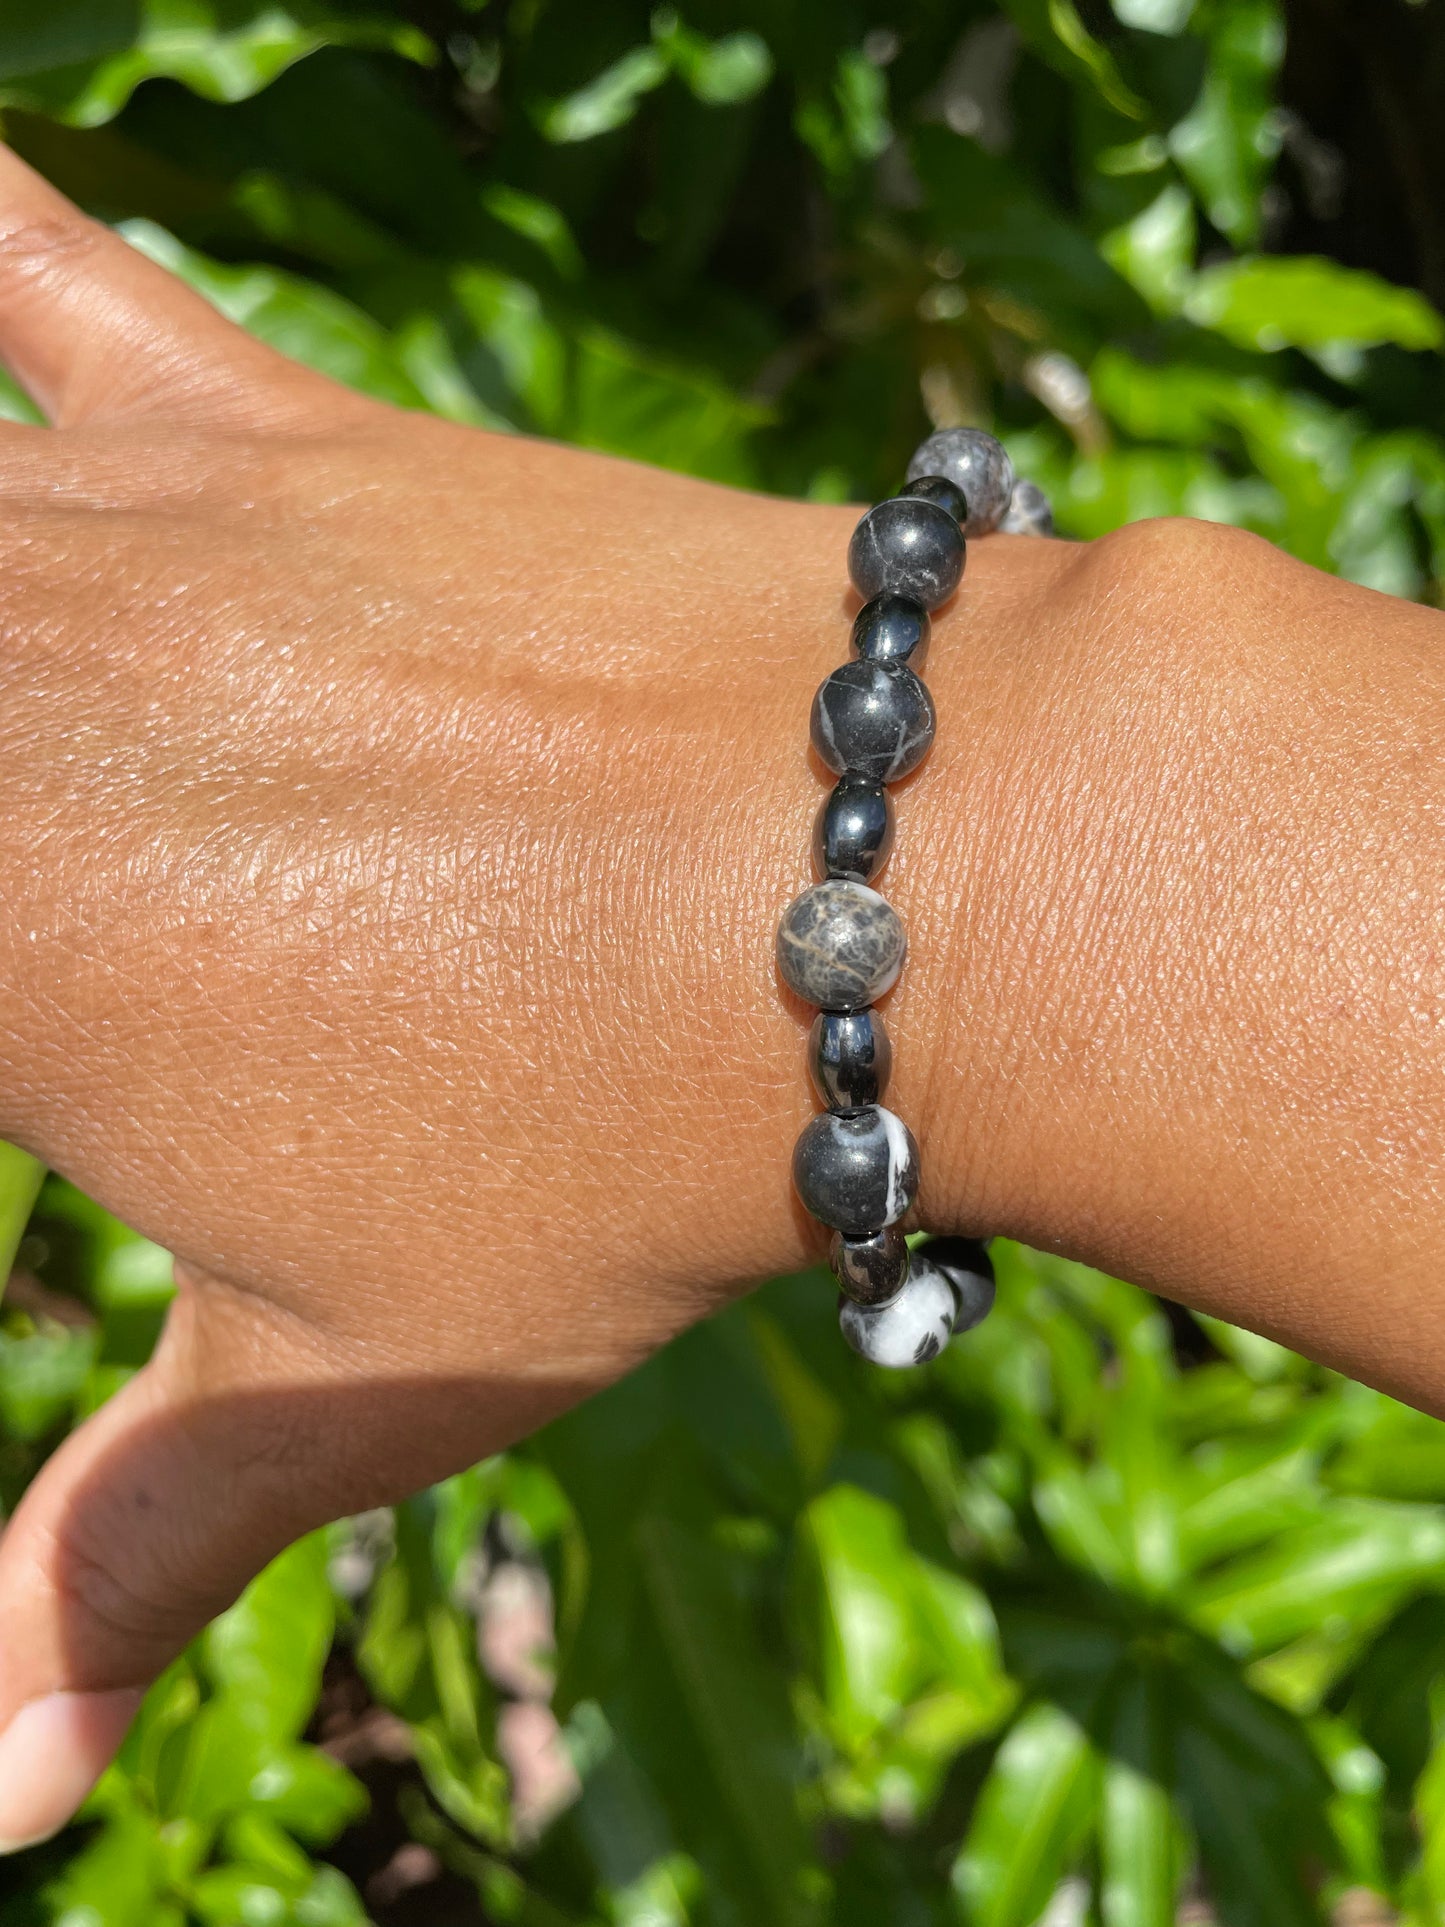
[{"x": 20, "y": 1179}]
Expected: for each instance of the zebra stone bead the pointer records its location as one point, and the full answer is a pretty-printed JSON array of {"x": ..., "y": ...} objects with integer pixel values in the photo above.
[
  {"x": 890, "y": 628},
  {"x": 840, "y": 945},
  {"x": 873, "y": 719},
  {"x": 938, "y": 488},
  {"x": 857, "y": 1171},
  {"x": 1028, "y": 511},
  {"x": 850, "y": 1057},
  {"x": 854, "y": 830},
  {"x": 871, "y": 1270},
  {"x": 907, "y": 547},
  {"x": 910, "y": 1328},
  {"x": 978, "y": 464},
  {"x": 969, "y": 1269}
]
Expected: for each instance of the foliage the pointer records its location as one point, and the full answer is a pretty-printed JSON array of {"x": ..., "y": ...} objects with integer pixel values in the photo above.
[{"x": 1108, "y": 1612}]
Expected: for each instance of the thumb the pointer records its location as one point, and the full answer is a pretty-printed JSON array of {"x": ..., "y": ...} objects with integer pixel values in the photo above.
[{"x": 145, "y": 1524}]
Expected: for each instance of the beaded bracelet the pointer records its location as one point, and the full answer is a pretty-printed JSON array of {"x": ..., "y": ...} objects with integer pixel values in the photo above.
[{"x": 841, "y": 946}]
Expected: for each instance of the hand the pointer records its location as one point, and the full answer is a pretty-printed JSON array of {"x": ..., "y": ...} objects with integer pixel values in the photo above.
[{"x": 394, "y": 820}]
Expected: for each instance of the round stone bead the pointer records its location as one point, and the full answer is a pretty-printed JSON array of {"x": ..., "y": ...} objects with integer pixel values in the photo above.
[
  {"x": 854, "y": 830},
  {"x": 840, "y": 945},
  {"x": 1028, "y": 511},
  {"x": 907, "y": 547},
  {"x": 911, "y": 1328},
  {"x": 891, "y": 628},
  {"x": 857, "y": 1171},
  {"x": 978, "y": 464},
  {"x": 873, "y": 719},
  {"x": 871, "y": 1270},
  {"x": 850, "y": 1057},
  {"x": 938, "y": 488},
  {"x": 969, "y": 1269}
]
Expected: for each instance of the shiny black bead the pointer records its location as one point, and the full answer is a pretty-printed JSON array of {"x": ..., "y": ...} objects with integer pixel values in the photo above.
[
  {"x": 850, "y": 1057},
  {"x": 854, "y": 830},
  {"x": 870, "y": 1270},
  {"x": 891, "y": 628},
  {"x": 907, "y": 547},
  {"x": 969, "y": 1269},
  {"x": 873, "y": 719},
  {"x": 937, "y": 488}
]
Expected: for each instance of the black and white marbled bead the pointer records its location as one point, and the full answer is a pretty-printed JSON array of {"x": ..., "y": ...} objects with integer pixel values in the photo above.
[
  {"x": 969, "y": 1269},
  {"x": 849, "y": 1056},
  {"x": 854, "y": 829},
  {"x": 840, "y": 945},
  {"x": 907, "y": 547},
  {"x": 874, "y": 719},
  {"x": 856, "y": 1171},
  {"x": 1028, "y": 511},
  {"x": 870, "y": 1271},
  {"x": 911, "y": 1328},
  {"x": 938, "y": 488},
  {"x": 892, "y": 628},
  {"x": 978, "y": 463}
]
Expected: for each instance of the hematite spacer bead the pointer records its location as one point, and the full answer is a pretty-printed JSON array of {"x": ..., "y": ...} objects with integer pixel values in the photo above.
[
  {"x": 850, "y": 1057},
  {"x": 937, "y": 488},
  {"x": 969, "y": 1269},
  {"x": 978, "y": 463},
  {"x": 854, "y": 830},
  {"x": 1028, "y": 511},
  {"x": 872, "y": 1270},
  {"x": 908, "y": 547},
  {"x": 857, "y": 1171},
  {"x": 892, "y": 628},
  {"x": 840, "y": 945},
  {"x": 910, "y": 1328},
  {"x": 873, "y": 719}
]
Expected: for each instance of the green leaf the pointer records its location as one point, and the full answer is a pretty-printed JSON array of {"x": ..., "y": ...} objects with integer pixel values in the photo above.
[
  {"x": 733, "y": 1701},
  {"x": 303, "y": 320},
  {"x": 21, "y": 1177},
  {"x": 1033, "y": 1817},
  {"x": 82, "y": 63},
  {"x": 609, "y": 101},
  {"x": 1269, "y": 302},
  {"x": 1140, "y": 1844},
  {"x": 1056, "y": 31},
  {"x": 868, "y": 1647},
  {"x": 1357, "y": 1563},
  {"x": 267, "y": 1652}
]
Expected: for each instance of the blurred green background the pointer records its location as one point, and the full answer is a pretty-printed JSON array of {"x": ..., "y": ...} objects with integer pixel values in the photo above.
[{"x": 1113, "y": 1617}]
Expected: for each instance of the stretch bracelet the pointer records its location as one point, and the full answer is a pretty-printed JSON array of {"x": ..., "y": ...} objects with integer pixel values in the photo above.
[{"x": 841, "y": 946}]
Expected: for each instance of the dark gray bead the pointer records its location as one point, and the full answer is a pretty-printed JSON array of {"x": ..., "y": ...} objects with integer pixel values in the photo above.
[
  {"x": 856, "y": 1172},
  {"x": 890, "y": 628},
  {"x": 938, "y": 488},
  {"x": 1028, "y": 511},
  {"x": 907, "y": 547},
  {"x": 978, "y": 463},
  {"x": 911, "y": 1328},
  {"x": 870, "y": 1270},
  {"x": 840, "y": 945},
  {"x": 854, "y": 830},
  {"x": 850, "y": 1057},
  {"x": 969, "y": 1269},
  {"x": 874, "y": 719}
]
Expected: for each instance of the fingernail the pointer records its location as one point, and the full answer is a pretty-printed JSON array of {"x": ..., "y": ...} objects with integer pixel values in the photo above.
[{"x": 51, "y": 1755}]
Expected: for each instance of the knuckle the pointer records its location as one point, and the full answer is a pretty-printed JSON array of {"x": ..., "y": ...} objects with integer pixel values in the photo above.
[
  {"x": 41, "y": 247},
  {"x": 120, "y": 1582}
]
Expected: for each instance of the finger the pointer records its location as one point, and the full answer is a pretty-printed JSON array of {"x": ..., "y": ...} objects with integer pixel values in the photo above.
[
  {"x": 148, "y": 1522},
  {"x": 95, "y": 332}
]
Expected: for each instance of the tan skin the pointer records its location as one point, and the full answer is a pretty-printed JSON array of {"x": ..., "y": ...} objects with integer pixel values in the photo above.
[{"x": 394, "y": 820}]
